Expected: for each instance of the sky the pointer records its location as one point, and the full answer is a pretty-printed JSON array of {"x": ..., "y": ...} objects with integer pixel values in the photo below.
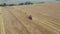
[{"x": 19, "y": 1}]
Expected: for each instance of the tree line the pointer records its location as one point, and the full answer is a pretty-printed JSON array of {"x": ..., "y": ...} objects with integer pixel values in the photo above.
[{"x": 26, "y": 3}]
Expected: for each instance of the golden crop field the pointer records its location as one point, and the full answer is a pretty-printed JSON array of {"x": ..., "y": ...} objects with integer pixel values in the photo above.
[
  {"x": 45, "y": 19},
  {"x": 1, "y": 22}
]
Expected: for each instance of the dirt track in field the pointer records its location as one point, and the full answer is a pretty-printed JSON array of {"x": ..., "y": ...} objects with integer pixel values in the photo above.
[{"x": 46, "y": 19}]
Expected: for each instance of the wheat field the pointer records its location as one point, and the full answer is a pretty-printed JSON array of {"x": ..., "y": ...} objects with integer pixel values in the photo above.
[{"x": 45, "y": 19}]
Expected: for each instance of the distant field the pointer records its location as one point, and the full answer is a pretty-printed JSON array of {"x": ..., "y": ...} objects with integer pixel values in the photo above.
[
  {"x": 46, "y": 19},
  {"x": 50, "y": 9}
]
